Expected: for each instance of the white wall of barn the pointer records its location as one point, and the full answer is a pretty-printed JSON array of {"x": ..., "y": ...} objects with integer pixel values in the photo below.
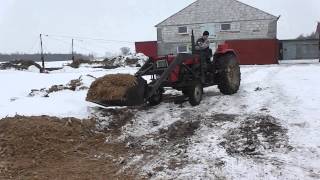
[
  {"x": 169, "y": 37},
  {"x": 260, "y": 29}
]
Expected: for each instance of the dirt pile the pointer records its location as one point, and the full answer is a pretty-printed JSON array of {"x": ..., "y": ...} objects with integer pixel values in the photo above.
[
  {"x": 132, "y": 62},
  {"x": 255, "y": 136},
  {"x": 125, "y": 61},
  {"x": 105, "y": 64},
  {"x": 19, "y": 65},
  {"x": 73, "y": 85},
  {"x": 111, "y": 63},
  {"x": 111, "y": 87},
  {"x": 77, "y": 62},
  {"x": 51, "y": 148}
]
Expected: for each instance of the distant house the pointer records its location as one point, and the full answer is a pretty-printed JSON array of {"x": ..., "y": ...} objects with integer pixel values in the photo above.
[{"x": 224, "y": 19}]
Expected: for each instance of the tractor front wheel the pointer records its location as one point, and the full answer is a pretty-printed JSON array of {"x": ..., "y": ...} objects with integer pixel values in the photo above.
[
  {"x": 195, "y": 93},
  {"x": 156, "y": 98},
  {"x": 229, "y": 74}
]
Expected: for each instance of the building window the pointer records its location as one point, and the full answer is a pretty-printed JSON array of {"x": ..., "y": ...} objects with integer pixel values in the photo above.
[
  {"x": 182, "y": 49},
  {"x": 183, "y": 30},
  {"x": 159, "y": 34},
  {"x": 225, "y": 27},
  {"x": 256, "y": 30}
]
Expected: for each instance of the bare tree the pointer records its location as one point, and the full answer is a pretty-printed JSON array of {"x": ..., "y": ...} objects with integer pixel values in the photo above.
[
  {"x": 313, "y": 35},
  {"x": 125, "y": 50}
]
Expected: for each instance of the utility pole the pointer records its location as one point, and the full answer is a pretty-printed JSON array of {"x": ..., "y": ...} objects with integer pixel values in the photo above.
[
  {"x": 319, "y": 43},
  {"x": 42, "y": 56},
  {"x": 319, "y": 47},
  {"x": 72, "y": 52},
  {"x": 318, "y": 36}
]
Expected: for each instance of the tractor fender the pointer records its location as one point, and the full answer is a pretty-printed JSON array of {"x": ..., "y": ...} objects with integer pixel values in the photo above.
[{"x": 224, "y": 49}]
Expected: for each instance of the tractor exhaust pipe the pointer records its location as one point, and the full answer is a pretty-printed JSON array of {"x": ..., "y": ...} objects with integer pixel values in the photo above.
[{"x": 193, "y": 44}]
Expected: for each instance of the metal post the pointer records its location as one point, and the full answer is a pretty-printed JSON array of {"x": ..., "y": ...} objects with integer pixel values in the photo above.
[
  {"x": 42, "y": 56},
  {"x": 193, "y": 44},
  {"x": 72, "y": 52},
  {"x": 318, "y": 36}
]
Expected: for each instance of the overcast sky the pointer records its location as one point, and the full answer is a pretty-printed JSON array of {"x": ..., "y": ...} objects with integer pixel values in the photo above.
[{"x": 21, "y": 22}]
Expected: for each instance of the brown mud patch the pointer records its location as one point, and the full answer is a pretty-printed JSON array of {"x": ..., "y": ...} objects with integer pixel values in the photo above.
[
  {"x": 52, "y": 148},
  {"x": 256, "y": 135},
  {"x": 180, "y": 130}
]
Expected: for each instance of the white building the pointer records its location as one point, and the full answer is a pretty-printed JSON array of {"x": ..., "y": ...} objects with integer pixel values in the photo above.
[{"x": 224, "y": 19}]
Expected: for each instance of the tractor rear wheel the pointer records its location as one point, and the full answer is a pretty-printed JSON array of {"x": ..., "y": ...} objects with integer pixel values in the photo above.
[
  {"x": 195, "y": 93},
  {"x": 229, "y": 74}
]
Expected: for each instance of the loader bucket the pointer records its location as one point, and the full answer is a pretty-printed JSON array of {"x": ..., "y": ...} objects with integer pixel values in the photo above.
[{"x": 117, "y": 90}]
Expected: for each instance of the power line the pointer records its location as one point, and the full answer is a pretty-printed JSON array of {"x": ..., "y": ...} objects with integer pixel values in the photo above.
[
  {"x": 100, "y": 46},
  {"x": 92, "y": 42},
  {"x": 68, "y": 43},
  {"x": 35, "y": 44},
  {"x": 93, "y": 39}
]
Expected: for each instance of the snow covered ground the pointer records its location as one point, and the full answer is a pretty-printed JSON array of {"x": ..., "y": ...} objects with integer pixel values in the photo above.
[
  {"x": 280, "y": 104},
  {"x": 17, "y": 85}
]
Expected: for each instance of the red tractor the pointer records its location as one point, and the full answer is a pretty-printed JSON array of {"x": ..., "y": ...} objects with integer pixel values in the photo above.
[{"x": 184, "y": 72}]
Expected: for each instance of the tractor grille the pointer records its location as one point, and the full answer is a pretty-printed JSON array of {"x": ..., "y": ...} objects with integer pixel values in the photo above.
[{"x": 162, "y": 64}]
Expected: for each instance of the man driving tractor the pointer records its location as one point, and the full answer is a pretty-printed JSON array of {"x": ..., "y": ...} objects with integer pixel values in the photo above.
[
  {"x": 203, "y": 47},
  {"x": 203, "y": 42}
]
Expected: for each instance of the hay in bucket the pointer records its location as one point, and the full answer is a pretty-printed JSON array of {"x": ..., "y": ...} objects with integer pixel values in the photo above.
[{"x": 111, "y": 87}]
